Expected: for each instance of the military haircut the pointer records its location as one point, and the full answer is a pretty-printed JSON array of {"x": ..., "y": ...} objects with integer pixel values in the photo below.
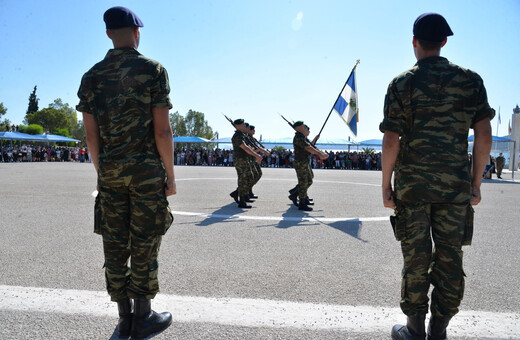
[
  {"x": 430, "y": 45},
  {"x": 121, "y": 34}
]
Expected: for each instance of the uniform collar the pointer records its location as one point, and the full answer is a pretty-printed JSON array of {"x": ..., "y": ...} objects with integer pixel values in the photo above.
[
  {"x": 432, "y": 60},
  {"x": 120, "y": 51}
]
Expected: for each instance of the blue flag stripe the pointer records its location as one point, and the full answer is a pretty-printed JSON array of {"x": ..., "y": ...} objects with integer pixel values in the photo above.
[
  {"x": 351, "y": 83},
  {"x": 341, "y": 105}
]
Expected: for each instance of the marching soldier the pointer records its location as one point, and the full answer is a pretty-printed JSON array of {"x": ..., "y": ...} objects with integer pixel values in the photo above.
[
  {"x": 303, "y": 148},
  {"x": 257, "y": 147},
  {"x": 241, "y": 153}
]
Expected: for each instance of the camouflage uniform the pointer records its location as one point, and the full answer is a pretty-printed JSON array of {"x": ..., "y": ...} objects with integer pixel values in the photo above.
[
  {"x": 242, "y": 164},
  {"x": 501, "y": 162},
  {"x": 131, "y": 211},
  {"x": 255, "y": 167},
  {"x": 432, "y": 107},
  {"x": 302, "y": 164}
]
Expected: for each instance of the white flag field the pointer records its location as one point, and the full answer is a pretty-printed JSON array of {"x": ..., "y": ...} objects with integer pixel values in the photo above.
[{"x": 346, "y": 104}]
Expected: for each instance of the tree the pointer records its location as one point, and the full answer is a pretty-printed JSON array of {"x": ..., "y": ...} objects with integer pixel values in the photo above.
[
  {"x": 33, "y": 103},
  {"x": 69, "y": 112},
  {"x": 368, "y": 150},
  {"x": 3, "y": 110},
  {"x": 50, "y": 118},
  {"x": 196, "y": 125},
  {"x": 178, "y": 124},
  {"x": 33, "y": 129}
]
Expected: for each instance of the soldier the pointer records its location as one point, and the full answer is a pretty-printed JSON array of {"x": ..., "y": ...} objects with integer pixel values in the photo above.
[
  {"x": 501, "y": 162},
  {"x": 303, "y": 148},
  {"x": 125, "y": 102},
  {"x": 428, "y": 112},
  {"x": 241, "y": 152},
  {"x": 257, "y": 147}
]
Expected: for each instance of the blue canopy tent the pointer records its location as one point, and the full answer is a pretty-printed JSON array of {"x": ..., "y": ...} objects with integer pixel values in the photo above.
[
  {"x": 54, "y": 138},
  {"x": 190, "y": 139},
  {"x": 16, "y": 136}
]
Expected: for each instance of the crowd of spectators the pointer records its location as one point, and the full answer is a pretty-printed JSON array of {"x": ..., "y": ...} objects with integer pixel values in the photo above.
[
  {"x": 281, "y": 159},
  {"x": 30, "y": 153},
  {"x": 219, "y": 157}
]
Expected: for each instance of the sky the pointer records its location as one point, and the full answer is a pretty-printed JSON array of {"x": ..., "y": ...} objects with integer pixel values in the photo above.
[{"x": 255, "y": 59}]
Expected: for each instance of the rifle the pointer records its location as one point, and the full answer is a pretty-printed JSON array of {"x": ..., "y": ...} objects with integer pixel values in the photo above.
[
  {"x": 229, "y": 120},
  {"x": 288, "y": 122}
]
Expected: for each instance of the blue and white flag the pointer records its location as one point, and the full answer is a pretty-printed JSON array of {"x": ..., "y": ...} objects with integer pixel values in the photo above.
[{"x": 346, "y": 105}]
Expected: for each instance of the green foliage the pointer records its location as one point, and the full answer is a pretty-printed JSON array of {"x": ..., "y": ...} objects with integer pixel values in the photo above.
[
  {"x": 178, "y": 124},
  {"x": 61, "y": 132},
  {"x": 32, "y": 129},
  {"x": 33, "y": 103},
  {"x": 3, "y": 124},
  {"x": 50, "y": 118},
  {"x": 69, "y": 112},
  {"x": 78, "y": 132},
  {"x": 3, "y": 109},
  {"x": 279, "y": 149},
  {"x": 368, "y": 151}
]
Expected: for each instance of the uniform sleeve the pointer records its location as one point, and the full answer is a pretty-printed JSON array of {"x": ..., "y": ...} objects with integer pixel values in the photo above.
[
  {"x": 160, "y": 90},
  {"x": 394, "y": 116},
  {"x": 483, "y": 110},
  {"x": 86, "y": 95},
  {"x": 301, "y": 143}
]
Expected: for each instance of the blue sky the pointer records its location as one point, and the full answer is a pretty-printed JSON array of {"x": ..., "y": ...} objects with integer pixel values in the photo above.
[{"x": 253, "y": 59}]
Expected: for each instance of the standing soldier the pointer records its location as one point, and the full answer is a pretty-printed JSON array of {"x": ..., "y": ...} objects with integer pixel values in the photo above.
[
  {"x": 125, "y": 102},
  {"x": 241, "y": 152},
  {"x": 501, "y": 162},
  {"x": 303, "y": 148},
  {"x": 428, "y": 112}
]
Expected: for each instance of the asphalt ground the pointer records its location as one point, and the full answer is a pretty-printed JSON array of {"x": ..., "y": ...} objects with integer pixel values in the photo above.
[{"x": 341, "y": 254}]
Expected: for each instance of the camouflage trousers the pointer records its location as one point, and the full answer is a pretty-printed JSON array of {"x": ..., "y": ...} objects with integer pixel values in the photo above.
[
  {"x": 132, "y": 220},
  {"x": 305, "y": 175},
  {"x": 257, "y": 171},
  {"x": 449, "y": 226},
  {"x": 245, "y": 176}
]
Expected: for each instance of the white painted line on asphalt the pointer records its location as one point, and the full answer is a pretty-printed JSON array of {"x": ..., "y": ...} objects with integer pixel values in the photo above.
[
  {"x": 284, "y": 218},
  {"x": 255, "y": 312},
  {"x": 278, "y": 179}
]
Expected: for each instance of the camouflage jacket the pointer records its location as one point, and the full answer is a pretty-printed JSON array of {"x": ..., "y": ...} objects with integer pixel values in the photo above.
[
  {"x": 120, "y": 91},
  {"x": 432, "y": 107},
  {"x": 238, "y": 139},
  {"x": 300, "y": 143}
]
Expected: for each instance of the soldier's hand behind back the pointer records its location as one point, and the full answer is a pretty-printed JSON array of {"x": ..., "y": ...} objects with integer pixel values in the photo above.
[{"x": 171, "y": 187}]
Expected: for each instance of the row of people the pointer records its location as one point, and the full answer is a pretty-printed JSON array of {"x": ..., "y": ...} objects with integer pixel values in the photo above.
[{"x": 30, "y": 153}]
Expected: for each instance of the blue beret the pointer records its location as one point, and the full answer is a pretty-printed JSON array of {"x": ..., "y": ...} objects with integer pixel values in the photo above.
[
  {"x": 431, "y": 27},
  {"x": 120, "y": 17},
  {"x": 251, "y": 127},
  {"x": 238, "y": 121}
]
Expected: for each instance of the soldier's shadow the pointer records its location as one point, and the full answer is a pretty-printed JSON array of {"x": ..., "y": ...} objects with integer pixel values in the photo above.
[
  {"x": 350, "y": 227},
  {"x": 292, "y": 217},
  {"x": 222, "y": 214}
]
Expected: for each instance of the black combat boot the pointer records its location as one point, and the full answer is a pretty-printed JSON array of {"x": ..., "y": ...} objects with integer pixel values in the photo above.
[
  {"x": 124, "y": 325},
  {"x": 294, "y": 199},
  {"x": 243, "y": 204},
  {"x": 146, "y": 321},
  {"x": 251, "y": 195},
  {"x": 234, "y": 194},
  {"x": 437, "y": 327},
  {"x": 294, "y": 191},
  {"x": 309, "y": 201},
  {"x": 414, "y": 329},
  {"x": 303, "y": 206}
]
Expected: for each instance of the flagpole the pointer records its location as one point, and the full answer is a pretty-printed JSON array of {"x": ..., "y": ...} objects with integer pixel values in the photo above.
[
  {"x": 498, "y": 120},
  {"x": 339, "y": 95}
]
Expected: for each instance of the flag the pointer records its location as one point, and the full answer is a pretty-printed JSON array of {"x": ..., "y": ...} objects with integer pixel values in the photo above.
[{"x": 347, "y": 103}]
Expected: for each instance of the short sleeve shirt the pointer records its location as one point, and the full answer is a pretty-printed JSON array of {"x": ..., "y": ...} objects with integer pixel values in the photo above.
[
  {"x": 300, "y": 143},
  {"x": 121, "y": 91},
  {"x": 432, "y": 107}
]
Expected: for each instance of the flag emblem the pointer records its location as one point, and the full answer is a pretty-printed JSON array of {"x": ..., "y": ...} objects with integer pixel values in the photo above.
[{"x": 346, "y": 104}]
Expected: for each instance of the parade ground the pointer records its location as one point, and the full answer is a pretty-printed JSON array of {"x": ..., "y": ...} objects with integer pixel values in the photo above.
[{"x": 270, "y": 272}]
